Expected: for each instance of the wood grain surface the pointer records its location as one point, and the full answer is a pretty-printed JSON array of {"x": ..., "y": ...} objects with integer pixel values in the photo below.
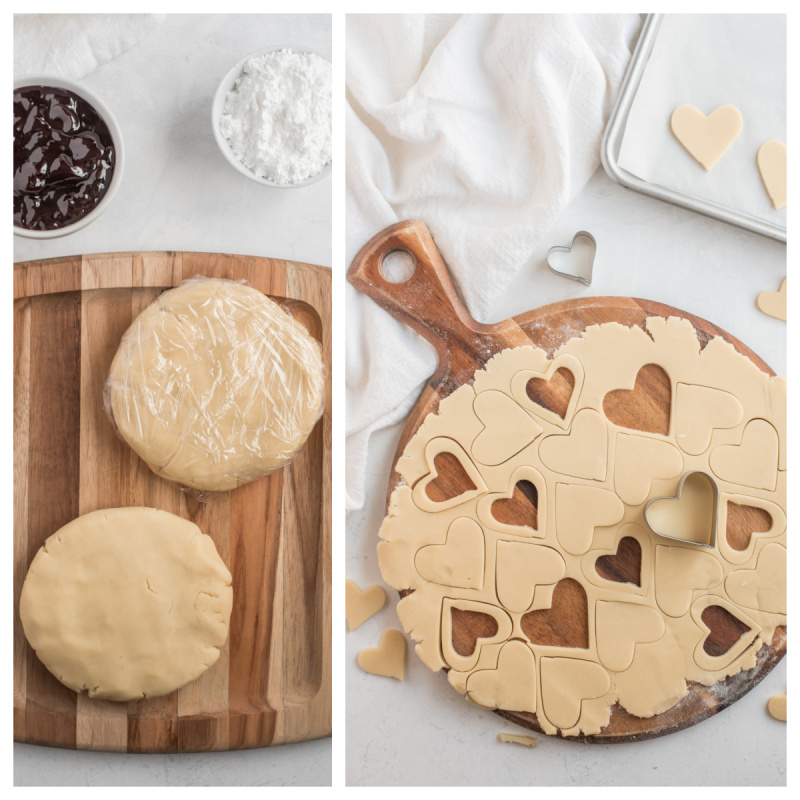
[
  {"x": 428, "y": 302},
  {"x": 272, "y": 683}
]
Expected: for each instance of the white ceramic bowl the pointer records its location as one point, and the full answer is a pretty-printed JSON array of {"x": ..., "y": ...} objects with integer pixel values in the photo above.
[
  {"x": 223, "y": 89},
  {"x": 116, "y": 135}
]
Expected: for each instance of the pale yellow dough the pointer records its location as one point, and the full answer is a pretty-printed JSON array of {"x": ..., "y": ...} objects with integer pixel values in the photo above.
[
  {"x": 771, "y": 160},
  {"x": 706, "y": 138},
  {"x": 515, "y": 738},
  {"x": 777, "y": 707},
  {"x": 388, "y": 659},
  {"x": 361, "y": 605},
  {"x": 215, "y": 385},
  {"x": 126, "y": 603},
  {"x": 773, "y": 304},
  {"x": 593, "y": 480}
]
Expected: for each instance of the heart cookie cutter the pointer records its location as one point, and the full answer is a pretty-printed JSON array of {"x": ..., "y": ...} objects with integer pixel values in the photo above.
[
  {"x": 560, "y": 248},
  {"x": 658, "y": 523}
]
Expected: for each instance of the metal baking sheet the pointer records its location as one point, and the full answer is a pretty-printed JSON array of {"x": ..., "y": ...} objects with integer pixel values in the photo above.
[{"x": 615, "y": 131}]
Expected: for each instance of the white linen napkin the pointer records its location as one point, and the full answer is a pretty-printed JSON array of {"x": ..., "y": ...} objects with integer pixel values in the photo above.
[
  {"x": 482, "y": 126},
  {"x": 72, "y": 45}
]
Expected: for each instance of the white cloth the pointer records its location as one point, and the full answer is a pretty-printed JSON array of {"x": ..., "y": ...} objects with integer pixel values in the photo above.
[
  {"x": 72, "y": 45},
  {"x": 482, "y": 126}
]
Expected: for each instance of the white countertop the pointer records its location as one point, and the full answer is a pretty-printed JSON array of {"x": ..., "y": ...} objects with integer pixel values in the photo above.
[
  {"x": 421, "y": 731},
  {"x": 179, "y": 193}
]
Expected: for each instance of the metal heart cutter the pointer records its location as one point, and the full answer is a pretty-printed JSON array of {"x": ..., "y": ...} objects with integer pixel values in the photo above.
[
  {"x": 690, "y": 516},
  {"x": 586, "y": 254}
]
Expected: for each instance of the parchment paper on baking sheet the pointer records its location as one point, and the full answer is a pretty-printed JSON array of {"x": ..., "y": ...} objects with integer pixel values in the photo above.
[{"x": 709, "y": 60}]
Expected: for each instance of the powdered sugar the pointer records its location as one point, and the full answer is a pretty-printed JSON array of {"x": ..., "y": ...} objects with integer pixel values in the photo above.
[{"x": 277, "y": 118}]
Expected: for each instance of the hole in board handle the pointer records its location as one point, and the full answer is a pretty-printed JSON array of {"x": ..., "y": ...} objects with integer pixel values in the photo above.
[{"x": 397, "y": 266}]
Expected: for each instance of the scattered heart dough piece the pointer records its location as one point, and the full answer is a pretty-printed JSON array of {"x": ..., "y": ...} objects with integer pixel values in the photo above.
[
  {"x": 689, "y": 517},
  {"x": 362, "y": 605},
  {"x": 762, "y": 587},
  {"x": 433, "y": 448},
  {"x": 620, "y": 627},
  {"x": 512, "y": 686},
  {"x": 507, "y": 428},
  {"x": 700, "y": 409},
  {"x": 679, "y": 572},
  {"x": 388, "y": 658},
  {"x": 773, "y": 304},
  {"x": 521, "y": 567},
  {"x": 771, "y": 161},
  {"x": 777, "y": 707},
  {"x": 581, "y": 509},
  {"x": 581, "y": 453},
  {"x": 754, "y": 462},
  {"x": 515, "y": 738},
  {"x": 457, "y": 562},
  {"x": 706, "y": 138},
  {"x": 638, "y": 461},
  {"x": 127, "y": 603},
  {"x": 566, "y": 683}
]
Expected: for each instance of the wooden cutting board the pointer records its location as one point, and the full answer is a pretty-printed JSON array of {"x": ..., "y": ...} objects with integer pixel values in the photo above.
[
  {"x": 272, "y": 683},
  {"x": 429, "y": 303}
]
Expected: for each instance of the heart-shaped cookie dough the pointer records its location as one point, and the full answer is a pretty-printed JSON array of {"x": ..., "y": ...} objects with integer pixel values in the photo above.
[
  {"x": 459, "y": 561},
  {"x": 706, "y": 138},
  {"x": 762, "y": 588},
  {"x": 521, "y": 567},
  {"x": 680, "y": 571},
  {"x": 726, "y": 632},
  {"x": 690, "y": 516},
  {"x": 388, "y": 658},
  {"x": 507, "y": 428},
  {"x": 743, "y": 522},
  {"x": 638, "y": 461},
  {"x": 512, "y": 686},
  {"x": 619, "y": 627},
  {"x": 581, "y": 453},
  {"x": 465, "y": 661},
  {"x": 771, "y": 159},
  {"x": 551, "y": 395},
  {"x": 361, "y": 605},
  {"x": 420, "y": 492},
  {"x": 773, "y": 304},
  {"x": 517, "y": 510},
  {"x": 754, "y": 462},
  {"x": 566, "y": 683},
  {"x": 700, "y": 409},
  {"x": 581, "y": 509}
]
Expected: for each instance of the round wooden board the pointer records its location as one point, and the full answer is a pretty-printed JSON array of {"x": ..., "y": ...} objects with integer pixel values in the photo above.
[{"x": 428, "y": 302}]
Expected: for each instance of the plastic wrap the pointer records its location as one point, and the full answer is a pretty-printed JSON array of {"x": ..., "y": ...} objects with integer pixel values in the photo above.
[{"x": 215, "y": 385}]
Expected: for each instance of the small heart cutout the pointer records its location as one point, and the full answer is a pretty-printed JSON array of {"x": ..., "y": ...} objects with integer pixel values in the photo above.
[
  {"x": 773, "y": 304},
  {"x": 507, "y": 428},
  {"x": 552, "y": 393},
  {"x": 624, "y": 566},
  {"x": 459, "y": 561},
  {"x": 518, "y": 510},
  {"x": 706, "y": 138},
  {"x": 743, "y": 522},
  {"x": 771, "y": 161},
  {"x": 581, "y": 453},
  {"x": 467, "y": 627},
  {"x": 565, "y": 623},
  {"x": 465, "y": 630},
  {"x": 453, "y": 478},
  {"x": 512, "y": 686},
  {"x": 361, "y": 605},
  {"x": 691, "y": 516},
  {"x": 521, "y": 509},
  {"x": 388, "y": 659},
  {"x": 647, "y": 406},
  {"x": 566, "y": 684},
  {"x": 724, "y": 630},
  {"x": 574, "y": 261},
  {"x": 752, "y": 463}
]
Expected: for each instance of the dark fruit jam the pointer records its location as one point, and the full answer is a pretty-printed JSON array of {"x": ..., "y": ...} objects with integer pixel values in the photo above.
[{"x": 63, "y": 158}]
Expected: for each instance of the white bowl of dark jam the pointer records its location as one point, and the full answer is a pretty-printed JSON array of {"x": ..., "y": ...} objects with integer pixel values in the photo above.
[{"x": 68, "y": 156}]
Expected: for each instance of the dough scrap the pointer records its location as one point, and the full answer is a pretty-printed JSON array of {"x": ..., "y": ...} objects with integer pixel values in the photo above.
[
  {"x": 771, "y": 159},
  {"x": 126, "y": 603},
  {"x": 388, "y": 659},
  {"x": 773, "y": 304},
  {"x": 673, "y": 579},
  {"x": 361, "y": 605},
  {"x": 776, "y": 707},
  {"x": 706, "y": 138},
  {"x": 215, "y": 385},
  {"x": 516, "y": 738}
]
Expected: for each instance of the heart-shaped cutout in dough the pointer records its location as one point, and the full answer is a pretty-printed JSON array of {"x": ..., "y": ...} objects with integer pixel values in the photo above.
[
  {"x": 773, "y": 304},
  {"x": 388, "y": 658},
  {"x": 727, "y": 632},
  {"x": 638, "y": 461},
  {"x": 521, "y": 567},
  {"x": 743, "y": 522},
  {"x": 771, "y": 159},
  {"x": 450, "y": 487},
  {"x": 551, "y": 395},
  {"x": 624, "y": 565},
  {"x": 566, "y": 683},
  {"x": 680, "y": 571},
  {"x": 762, "y": 588},
  {"x": 517, "y": 510},
  {"x": 507, "y": 428},
  {"x": 581, "y": 509},
  {"x": 752, "y": 463},
  {"x": 459, "y": 561},
  {"x": 460, "y": 646},
  {"x": 619, "y": 627},
  {"x": 699, "y": 410},
  {"x": 706, "y": 138},
  {"x": 512, "y": 686},
  {"x": 647, "y": 406},
  {"x": 361, "y": 605},
  {"x": 565, "y": 623},
  {"x": 581, "y": 453},
  {"x": 691, "y": 516}
]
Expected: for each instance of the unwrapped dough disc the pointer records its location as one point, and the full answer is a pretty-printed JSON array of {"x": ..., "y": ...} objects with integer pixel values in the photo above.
[
  {"x": 215, "y": 385},
  {"x": 127, "y": 603}
]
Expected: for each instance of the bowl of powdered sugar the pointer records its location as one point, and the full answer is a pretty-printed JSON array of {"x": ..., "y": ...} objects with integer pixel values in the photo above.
[{"x": 272, "y": 116}]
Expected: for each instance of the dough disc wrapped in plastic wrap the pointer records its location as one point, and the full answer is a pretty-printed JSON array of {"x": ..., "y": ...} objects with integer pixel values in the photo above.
[
  {"x": 126, "y": 603},
  {"x": 215, "y": 385}
]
